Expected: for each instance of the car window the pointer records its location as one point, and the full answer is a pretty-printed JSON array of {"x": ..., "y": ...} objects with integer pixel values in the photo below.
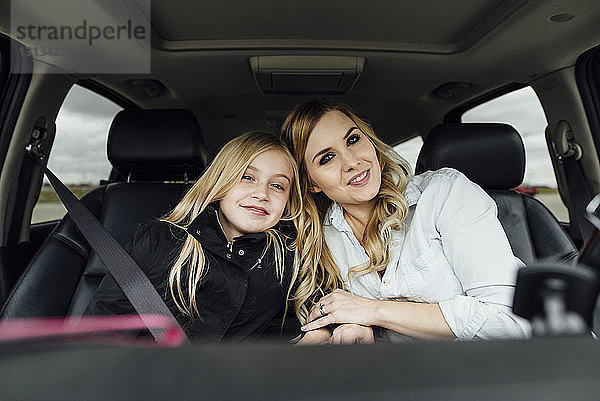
[
  {"x": 522, "y": 110},
  {"x": 76, "y": 158}
]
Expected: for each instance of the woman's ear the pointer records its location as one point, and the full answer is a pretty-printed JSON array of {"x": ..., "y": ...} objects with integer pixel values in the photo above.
[{"x": 314, "y": 188}]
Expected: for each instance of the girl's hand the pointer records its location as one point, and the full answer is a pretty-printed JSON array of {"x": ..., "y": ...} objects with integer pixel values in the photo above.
[
  {"x": 352, "y": 334},
  {"x": 341, "y": 307},
  {"x": 316, "y": 337}
]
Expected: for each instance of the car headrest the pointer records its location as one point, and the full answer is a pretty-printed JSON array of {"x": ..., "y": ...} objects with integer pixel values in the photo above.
[
  {"x": 156, "y": 144},
  {"x": 491, "y": 155}
]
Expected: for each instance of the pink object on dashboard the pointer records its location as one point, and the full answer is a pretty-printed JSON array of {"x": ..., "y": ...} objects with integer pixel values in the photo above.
[{"x": 97, "y": 327}]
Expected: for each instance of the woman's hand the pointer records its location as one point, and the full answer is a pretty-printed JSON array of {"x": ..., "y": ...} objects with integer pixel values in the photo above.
[
  {"x": 341, "y": 307},
  {"x": 343, "y": 334},
  {"x": 352, "y": 334},
  {"x": 316, "y": 337}
]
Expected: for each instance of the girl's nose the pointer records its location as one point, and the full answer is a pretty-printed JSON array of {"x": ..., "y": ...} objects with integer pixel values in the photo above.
[{"x": 260, "y": 192}]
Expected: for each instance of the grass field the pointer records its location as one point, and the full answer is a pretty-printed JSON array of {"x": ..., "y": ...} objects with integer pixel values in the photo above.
[{"x": 546, "y": 190}]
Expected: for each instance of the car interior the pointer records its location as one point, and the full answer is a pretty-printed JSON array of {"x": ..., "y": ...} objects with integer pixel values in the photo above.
[
  {"x": 217, "y": 70},
  {"x": 120, "y": 206},
  {"x": 492, "y": 155}
]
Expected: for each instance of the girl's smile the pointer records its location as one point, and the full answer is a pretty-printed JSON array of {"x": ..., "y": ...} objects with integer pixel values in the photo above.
[{"x": 256, "y": 210}]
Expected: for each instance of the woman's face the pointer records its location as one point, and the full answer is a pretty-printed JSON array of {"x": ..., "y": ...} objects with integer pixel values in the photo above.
[
  {"x": 258, "y": 201},
  {"x": 341, "y": 161}
]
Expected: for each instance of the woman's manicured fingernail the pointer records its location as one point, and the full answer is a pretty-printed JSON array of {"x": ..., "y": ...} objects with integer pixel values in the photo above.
[{"x": 303, "y": 328}]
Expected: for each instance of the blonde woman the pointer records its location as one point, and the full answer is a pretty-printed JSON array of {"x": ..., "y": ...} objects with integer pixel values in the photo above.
[
  {"x": 221, "y": 259},
  {"x": 423, "y": 257}
]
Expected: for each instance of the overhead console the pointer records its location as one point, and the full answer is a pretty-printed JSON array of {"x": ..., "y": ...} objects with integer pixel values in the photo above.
[{"x": 306, "y": 74}]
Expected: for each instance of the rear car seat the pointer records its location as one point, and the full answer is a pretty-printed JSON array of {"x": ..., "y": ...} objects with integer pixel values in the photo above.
[
  {"x": 493, "y": 156},
  {"x": 148, "y": 147}
]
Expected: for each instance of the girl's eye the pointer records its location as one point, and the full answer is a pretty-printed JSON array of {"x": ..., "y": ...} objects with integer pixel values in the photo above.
[
  {"x": 352, "y": 139},
  {"x": 278, "y": 186},
  {"x": 247, "y": 177},
  {"x": 325, "y": 159}
]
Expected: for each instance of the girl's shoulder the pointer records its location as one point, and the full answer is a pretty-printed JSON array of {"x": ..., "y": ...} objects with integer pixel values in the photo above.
[
  {"x": 154, "y": 245},
  {"x": 156, "y": 231}
]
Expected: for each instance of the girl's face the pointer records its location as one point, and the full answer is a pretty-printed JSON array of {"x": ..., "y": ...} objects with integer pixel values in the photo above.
[
  {"x": 341, "y": 161},
  {"x": 257, "y": 202}
]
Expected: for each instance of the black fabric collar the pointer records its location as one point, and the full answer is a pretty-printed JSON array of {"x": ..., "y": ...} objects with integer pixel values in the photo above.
[{"x": 209, "y": 218}]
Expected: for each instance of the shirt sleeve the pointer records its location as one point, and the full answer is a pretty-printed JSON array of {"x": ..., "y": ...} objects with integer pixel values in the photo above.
[{"x": 477, "y": 248}]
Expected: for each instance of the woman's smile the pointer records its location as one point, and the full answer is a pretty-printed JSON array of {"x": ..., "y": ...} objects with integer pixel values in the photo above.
[{"x": 360, "y": 180}]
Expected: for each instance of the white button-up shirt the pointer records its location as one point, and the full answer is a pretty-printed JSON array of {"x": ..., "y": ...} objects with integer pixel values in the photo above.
[{"x": 451, "y": 250}]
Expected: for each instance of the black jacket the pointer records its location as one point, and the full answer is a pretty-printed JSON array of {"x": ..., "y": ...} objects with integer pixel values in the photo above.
[{"x": 239, "y": 297}]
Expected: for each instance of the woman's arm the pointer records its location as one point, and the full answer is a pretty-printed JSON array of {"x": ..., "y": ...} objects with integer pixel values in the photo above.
[
  {"x": 478, "y": 250},
  {"x": 418, "y": 320}
]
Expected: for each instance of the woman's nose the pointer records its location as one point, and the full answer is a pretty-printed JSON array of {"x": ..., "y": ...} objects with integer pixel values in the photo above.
[{"x": 351, "y": 161}]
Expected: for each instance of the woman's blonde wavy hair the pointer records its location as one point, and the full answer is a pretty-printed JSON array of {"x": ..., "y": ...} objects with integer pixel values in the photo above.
[
  {"x": 220, "y": 177},
  {"x": 316, "y": 272}
]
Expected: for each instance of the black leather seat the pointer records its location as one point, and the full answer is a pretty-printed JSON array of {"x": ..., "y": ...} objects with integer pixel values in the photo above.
[
  {"x": 493, "y": 156},
  {"x": 146, "y": 146}
]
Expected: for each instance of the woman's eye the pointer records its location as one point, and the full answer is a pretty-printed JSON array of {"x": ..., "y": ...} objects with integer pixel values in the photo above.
[
  {"x": 278, "y": 186},
  {"x": 325, "y": 159},
  {"x": 247, "y": 177},
  {"x": 352, "y": 139}
]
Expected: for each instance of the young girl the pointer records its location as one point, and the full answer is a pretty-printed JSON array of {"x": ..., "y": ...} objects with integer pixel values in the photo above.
[{"x": 222, "y": 259}]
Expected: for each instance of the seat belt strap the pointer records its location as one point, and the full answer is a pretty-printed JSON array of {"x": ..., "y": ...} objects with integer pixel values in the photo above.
[
  {"x": 579, "y": 195},
  {"x": 568, "y": 152},
  {"x": 135, "y": 284}
]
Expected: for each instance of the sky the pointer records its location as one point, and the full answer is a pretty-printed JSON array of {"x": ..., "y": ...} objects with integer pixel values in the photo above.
[
  {"x": 84, "y": 120},
  {"x": 79, "y": 151}
]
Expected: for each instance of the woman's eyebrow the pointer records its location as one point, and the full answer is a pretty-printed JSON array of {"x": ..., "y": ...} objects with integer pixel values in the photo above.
[
  {"x": 329, "y": 148},
  {"x": 350, "y": 131},
  {"x": 321, "y": 152}
]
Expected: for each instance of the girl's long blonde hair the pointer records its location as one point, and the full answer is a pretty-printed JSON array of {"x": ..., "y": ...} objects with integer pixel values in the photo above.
[
  {"x": 316, "y": 271},
  {"x": 220, "y": 177}
]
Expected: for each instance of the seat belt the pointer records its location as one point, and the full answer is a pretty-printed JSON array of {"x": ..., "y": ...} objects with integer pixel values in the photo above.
[
  {"x": 135, "y": 284},
  {"x": 568, "y": 152}
]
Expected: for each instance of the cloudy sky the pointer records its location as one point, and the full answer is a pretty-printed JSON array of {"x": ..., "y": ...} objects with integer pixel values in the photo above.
[{"x": 79, "y": 151}]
